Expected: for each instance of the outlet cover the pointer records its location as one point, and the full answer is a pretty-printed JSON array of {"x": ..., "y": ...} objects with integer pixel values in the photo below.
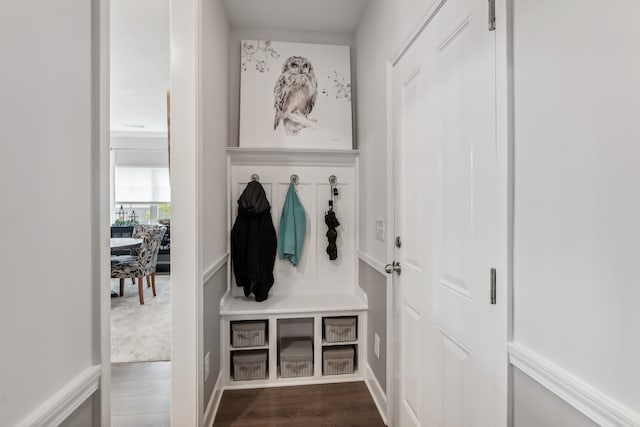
[
  {"x": 380, "y": 229},
  {"x": 206, "y": 366},
  {"x": 376, "y": 346}
]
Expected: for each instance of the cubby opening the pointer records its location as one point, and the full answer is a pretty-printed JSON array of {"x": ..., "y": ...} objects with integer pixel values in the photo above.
[
  {"x": 339, "y": 330},
  {"x": 249, "y": 334},
  {"x": 339, "y": 360},
  {"x": 249, "y": 365},
  {"x": 295, "y": 347}
]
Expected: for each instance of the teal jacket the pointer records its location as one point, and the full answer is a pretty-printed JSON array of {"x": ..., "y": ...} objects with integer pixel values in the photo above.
[{"x": 293, "y": 226}]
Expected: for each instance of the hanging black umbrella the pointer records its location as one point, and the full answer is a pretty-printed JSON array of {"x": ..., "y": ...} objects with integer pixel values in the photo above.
[{"x": 332, "y": 222}]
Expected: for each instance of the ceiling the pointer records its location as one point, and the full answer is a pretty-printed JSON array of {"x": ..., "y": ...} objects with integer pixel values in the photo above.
[
  {"x": 339, "y": 16},
  {"x": 140, "y": 67}
]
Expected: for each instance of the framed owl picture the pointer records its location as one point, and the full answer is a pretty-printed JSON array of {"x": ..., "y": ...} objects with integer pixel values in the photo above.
[{"x": 295, "y": 95}]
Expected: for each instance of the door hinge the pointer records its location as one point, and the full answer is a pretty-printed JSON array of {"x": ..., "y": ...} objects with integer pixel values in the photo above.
[
  {"x": 493, "y": 286},
  {"x": 492, "y": 15},
  {"x": 398, "y": 242}
]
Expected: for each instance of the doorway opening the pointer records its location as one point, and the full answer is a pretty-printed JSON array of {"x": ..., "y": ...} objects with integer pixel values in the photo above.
[{"x": 140, "y": 212}]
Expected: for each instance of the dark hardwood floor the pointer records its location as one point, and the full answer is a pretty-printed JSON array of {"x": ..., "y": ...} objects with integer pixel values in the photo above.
[{"x": 336, "y": 405}]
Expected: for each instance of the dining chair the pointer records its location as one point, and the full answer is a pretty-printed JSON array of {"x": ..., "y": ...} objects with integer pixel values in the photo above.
[
  {"x": 142, "y": 265},
  {"x": 137, "y": 233}
]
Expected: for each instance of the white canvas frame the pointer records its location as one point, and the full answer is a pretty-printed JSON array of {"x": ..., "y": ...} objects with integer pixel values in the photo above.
[{"x": 295, "y": 95}]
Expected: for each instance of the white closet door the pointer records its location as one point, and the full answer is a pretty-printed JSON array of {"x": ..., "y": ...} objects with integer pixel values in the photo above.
[{"x": 445, "y": 159}]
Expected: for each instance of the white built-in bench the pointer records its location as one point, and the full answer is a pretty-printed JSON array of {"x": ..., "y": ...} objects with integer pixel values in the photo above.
[
  {"x": 293, "y": 315},
  {"x": 317, "y": 288}
]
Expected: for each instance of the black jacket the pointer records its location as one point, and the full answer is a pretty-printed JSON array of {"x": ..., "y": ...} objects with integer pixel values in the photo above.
[{"x": 253, "y": 243}]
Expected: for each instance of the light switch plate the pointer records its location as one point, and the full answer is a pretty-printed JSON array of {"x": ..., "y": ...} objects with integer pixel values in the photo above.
[
  {"x": 380, "y": 229},
  {"x": 376, "y": 345}
]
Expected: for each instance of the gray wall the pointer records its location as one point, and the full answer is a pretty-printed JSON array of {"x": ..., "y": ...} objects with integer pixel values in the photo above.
[
  {"x": 86, "y": 415},
  {"x": 535, "y": 406},
  {"x": 237, "y": 34},
  {"x": 213, "y": 291},
  {"x": 375, "y": 285}
]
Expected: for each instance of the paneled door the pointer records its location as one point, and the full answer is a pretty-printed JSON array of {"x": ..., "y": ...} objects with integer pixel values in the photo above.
[{"x": 445, "y": 193}]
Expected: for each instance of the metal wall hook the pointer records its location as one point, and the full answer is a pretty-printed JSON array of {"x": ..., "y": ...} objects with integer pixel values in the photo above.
[
  {"x": 255, "y": 178},
  {"x": 333, "y": 190},
  {"x": 295, "y": 179}
]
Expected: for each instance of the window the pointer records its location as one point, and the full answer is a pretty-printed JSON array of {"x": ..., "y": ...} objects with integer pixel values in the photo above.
[
  {"x": 142, "y": 185},
  {"x": 143, "y": 190}
]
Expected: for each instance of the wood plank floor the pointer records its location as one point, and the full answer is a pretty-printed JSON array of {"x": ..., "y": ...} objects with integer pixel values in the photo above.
[
  {"x": 335, "y": 405},
  {"x": 140, "y": 394}
]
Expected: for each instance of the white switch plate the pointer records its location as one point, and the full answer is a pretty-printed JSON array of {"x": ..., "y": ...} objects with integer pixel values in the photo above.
[
  {"x": 206, "y": 366},
  {"x": 380, "y": 229},
  {"x": 376, "y": 345}
]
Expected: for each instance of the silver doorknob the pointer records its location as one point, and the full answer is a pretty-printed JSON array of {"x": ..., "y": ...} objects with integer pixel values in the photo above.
[{"x": 395, "y": 266}]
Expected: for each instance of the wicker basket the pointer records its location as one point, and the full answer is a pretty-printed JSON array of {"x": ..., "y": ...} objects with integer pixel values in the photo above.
[
  {"x": 249, "y": 365},
  {"x": 296, "y": 358},
  {"x": 337, "y": 360},
  {"x": 248, "y": 334},
  {"x": 340, "y": 329}
]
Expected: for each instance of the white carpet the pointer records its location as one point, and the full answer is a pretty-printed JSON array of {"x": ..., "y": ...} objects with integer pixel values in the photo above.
[{"x": 141, "y": 333}]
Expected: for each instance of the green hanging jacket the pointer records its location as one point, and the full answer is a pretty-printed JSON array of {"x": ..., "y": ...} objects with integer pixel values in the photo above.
[{"x": 293, "y": 226}]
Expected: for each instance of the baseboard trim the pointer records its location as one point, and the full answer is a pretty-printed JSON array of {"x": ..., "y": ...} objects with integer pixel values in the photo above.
[
  {"x": 214, "y": 268},
  {"x": 214, "y": 402},
  {"x": 600, "y": 408},
  {"x": 65, "y": 401},
  {"x": 378, "y": 395},
  {"x": 372, "y": 262}
]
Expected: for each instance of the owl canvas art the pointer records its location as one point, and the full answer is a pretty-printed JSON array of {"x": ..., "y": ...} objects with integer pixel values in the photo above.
[{"x": 295, "y": 95}]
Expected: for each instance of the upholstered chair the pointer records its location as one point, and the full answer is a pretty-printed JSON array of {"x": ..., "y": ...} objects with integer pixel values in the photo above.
[{"x": 142, "y": 265}]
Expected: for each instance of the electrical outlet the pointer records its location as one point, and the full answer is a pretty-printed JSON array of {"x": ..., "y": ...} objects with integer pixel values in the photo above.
[
  {"x": 380, "y": 229},
  {"x": 376, "y": 345},
  {"x": 206, "y": 366}
]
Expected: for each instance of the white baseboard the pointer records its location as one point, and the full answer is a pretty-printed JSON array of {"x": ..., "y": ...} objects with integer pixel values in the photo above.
[
  {"x": 378, "y": 395},
  {"x": 65, "y": 401},
  {"x": 600, "y": 408},
  {"x": 214, "y": 402}
]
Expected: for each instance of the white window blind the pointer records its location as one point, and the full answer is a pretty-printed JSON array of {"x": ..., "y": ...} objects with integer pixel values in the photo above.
[{"x": 142, "y": 185}]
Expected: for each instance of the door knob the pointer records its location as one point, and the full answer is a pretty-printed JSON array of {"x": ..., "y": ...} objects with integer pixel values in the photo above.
[{"x": 395, "y": 266}]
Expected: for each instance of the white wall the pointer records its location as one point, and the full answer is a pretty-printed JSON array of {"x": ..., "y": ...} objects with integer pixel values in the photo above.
[
  {"x": 385, "y": 25},
  {"x": 237, "y": 34},
  {"x": 49, "y": 323},
  {"x": 215, "y": 128},
  {"x": 577, "y": 210}
]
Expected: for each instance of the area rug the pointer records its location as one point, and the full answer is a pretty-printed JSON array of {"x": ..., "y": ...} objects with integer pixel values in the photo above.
[{"x": 141, "y": 333}]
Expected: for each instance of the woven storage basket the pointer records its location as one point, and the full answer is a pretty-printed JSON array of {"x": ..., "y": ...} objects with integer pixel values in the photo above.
[
  {"x": 337, "y": 360},
  {"x": 249, "y": 365},
  {"x": 340, "y": 329},
  {"x": 248, "y": 334},
  {"x": 296, "y": 358}
]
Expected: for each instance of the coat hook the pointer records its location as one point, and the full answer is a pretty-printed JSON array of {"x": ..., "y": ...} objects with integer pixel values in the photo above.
[
  {"x": 255, "y": 178},
  {"x": 295, "y": 179},
  {"x": 333, "y": 181}
]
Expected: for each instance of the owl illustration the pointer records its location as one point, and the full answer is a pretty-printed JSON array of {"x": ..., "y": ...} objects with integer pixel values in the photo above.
[{"x": 295, "y": 93}]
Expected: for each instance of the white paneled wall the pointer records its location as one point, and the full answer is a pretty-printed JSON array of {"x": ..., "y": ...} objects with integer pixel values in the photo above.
[{"x": 315, "y": 273}]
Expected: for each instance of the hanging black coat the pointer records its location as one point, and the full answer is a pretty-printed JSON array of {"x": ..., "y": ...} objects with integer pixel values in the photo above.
[{"x": 254, "y": 243}]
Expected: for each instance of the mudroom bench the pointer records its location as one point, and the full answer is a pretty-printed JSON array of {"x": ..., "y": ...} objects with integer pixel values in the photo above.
[{"x": 292, "y": 339}]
